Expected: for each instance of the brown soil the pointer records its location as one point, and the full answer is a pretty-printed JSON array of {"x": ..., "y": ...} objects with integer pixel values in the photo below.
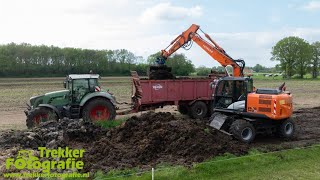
[
  {"x": 159, "y": 137},
  {"x": 52, "y": 135},
  {"x": 154, "y": 138}
]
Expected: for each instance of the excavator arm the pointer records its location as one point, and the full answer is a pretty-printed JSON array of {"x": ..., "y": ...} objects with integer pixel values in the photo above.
[
  {"x": 213, "y": 49},
  {"x": 179, "y": 41}
]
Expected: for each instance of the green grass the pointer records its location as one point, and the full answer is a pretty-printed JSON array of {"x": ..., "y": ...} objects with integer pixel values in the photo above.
[
  {"x": 111, "y": 123},
  {"x": 289, "y": 164},
  {"x": 262, "y": 77}
]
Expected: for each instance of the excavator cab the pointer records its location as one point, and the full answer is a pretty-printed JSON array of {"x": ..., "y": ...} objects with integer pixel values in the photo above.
[{"x": 231, "y": 93}]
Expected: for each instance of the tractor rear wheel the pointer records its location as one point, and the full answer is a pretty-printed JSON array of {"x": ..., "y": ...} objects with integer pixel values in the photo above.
[
  {"x": 99, "y": 109},
  {"x": 40, "y": 114},
  {"x": 198, "y": 110},
  {"x": 286, "y": 129},
  {"x": 243, "y": 131}
]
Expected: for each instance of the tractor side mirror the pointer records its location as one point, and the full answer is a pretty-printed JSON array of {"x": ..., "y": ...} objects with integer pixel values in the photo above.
[{"x": 65, "y": 84}]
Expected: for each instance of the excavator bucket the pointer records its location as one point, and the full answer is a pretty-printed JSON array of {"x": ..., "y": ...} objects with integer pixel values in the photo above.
[{"x": 160, "y": 72}]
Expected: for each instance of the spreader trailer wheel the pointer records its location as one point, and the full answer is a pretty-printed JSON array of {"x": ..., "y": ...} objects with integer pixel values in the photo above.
[{"x": 198, "y": 110}]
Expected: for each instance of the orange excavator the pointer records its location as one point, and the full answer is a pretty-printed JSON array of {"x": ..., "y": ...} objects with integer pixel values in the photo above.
[
  {"x": 185, "y": 40},
  {"x": 238, "y": 109}
]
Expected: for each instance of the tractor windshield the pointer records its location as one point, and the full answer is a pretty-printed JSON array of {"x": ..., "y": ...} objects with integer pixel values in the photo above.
[
  {"x": 80, "y": 84},
  {"x": 93, "y": 82}
]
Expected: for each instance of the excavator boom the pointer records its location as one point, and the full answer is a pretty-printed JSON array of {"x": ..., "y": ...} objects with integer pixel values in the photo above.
[
  {"x": 218, "y": 54},
  {"x": 213, "y": 49}
]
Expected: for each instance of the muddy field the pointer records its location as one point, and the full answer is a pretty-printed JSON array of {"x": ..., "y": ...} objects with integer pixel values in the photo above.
[
  {"x": 151, "y": 139},
  {"x": 15, "y": 93}
]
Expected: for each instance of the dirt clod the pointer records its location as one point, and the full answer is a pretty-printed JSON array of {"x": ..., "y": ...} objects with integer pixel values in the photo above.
[
  {"x": 160, "y": 137},
  {"x": 52, "y": 134}
]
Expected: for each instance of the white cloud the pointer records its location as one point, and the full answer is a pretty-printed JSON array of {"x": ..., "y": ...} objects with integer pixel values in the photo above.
[
  {"x": 75, "y": 23},
  {"x": 101, "y": 24},
  {"x": 168, "y": 12},
  {"x": 312, "y": 6}
]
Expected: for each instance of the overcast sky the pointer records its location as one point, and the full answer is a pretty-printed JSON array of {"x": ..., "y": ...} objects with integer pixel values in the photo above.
[{"x": 245, "y": 29}]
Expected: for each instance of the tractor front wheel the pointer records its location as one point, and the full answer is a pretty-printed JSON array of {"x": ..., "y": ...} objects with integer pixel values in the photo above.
[
  {"x": 99, "y": 109},
  {"x": 40, "y": 114}
]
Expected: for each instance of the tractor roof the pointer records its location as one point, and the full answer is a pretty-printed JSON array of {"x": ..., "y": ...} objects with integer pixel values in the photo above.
[{"x": 84, "y": 76}]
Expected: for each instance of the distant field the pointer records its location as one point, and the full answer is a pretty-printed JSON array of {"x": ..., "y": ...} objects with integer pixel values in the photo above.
[
  {"x": 278, "y": 76},
  {"x": 15, "y": 92}
]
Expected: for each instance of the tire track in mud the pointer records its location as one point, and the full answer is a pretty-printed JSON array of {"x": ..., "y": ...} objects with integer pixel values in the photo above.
[{"x": 307, "y": 121}]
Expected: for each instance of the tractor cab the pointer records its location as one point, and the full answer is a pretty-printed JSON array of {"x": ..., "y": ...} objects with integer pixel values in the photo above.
[
  {"x": 231, "y": 92},
  {"x": 81, "y": 84}
]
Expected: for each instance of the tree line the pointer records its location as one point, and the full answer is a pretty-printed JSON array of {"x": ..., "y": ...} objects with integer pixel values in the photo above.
[
  {"x": 26, "y": 60},
  {"x": 297, "y": 56}
]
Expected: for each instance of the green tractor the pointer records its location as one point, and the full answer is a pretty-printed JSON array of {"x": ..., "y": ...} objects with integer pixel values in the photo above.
[{"x": 81, "y": 98}]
